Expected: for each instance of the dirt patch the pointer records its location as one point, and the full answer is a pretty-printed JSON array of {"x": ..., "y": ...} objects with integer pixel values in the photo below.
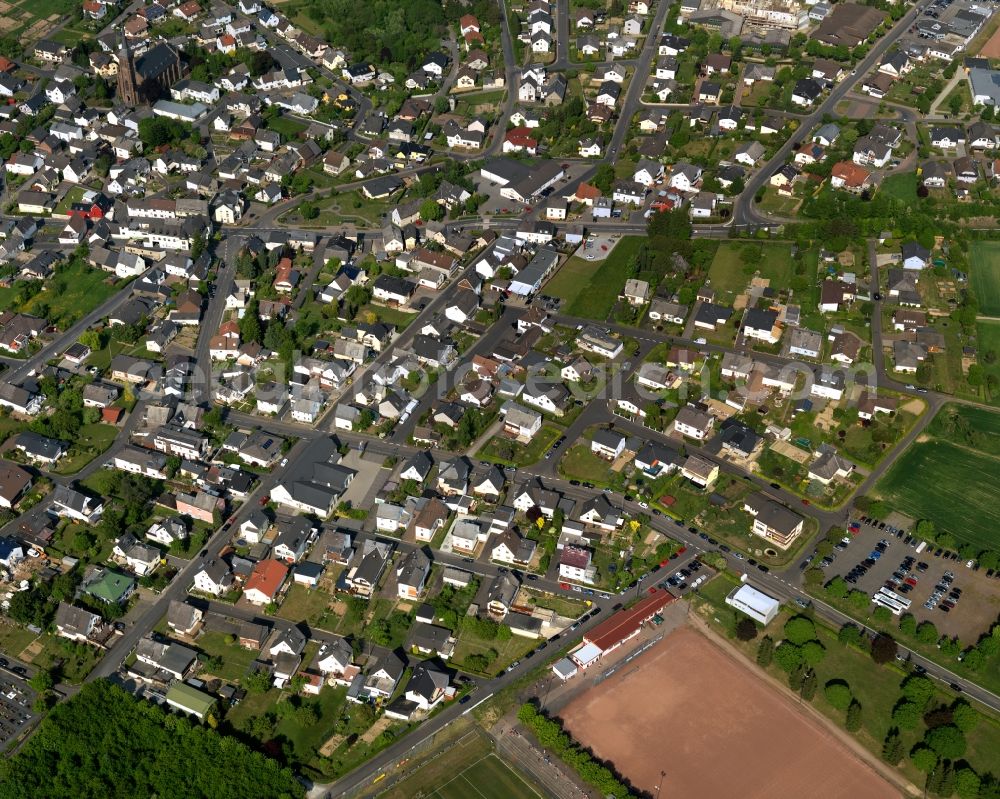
[
  {"x": 992, "y": 47},
  {"x": 31, "y": 651},
  {"x": 715, "y": 729},
  {"x": 376, "y": 729},
  {"x": 914, "y": 406},
  {"x": 331, "y": 745},
  {"x": 791, "y": 451}
]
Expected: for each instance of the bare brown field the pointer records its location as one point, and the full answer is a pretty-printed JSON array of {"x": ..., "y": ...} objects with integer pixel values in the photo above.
[{"x": 713, "y": 728}]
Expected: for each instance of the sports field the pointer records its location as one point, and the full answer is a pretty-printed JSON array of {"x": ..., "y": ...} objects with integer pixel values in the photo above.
[
  {"x": 467, "y": 769},
  {"x": 696, "y": 722},
  {"x": 985, "y": 276},
  {"x": 488, "y": 778},
  {"x": 955, "y": 487}
]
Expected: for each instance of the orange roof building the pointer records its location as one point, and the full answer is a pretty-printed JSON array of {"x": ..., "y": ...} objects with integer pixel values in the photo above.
[{"x": 265, "y": 581}]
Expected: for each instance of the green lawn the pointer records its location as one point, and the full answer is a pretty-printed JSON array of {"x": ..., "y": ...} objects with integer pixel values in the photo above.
[
  {"x": 289, "y": 128},
  {"x": 901, "y": 186},
  {"x": 597, "y": 290},
  {"x": 236, "y": 659},
  {"x": 389, "y": 316},
  {"x": 572, "y": 278},
  {"x": 14, "y": 638},
  {"x": 735, "y": 263},
  {"x": 74, "y": 290},
  {"x": 985, "y": 276},
  {"x": 93, "y": 440},
  {"x": 502, "y": 450},
  {"x": 934, "y": 480},
  {"x": 74, "y": 195},
  {"x": 582, "y": 464},
  {"x": 304, "y": 604}
]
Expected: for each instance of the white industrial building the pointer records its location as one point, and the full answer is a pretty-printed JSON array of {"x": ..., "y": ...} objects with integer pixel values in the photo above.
[{"x": 755, "y": 604}]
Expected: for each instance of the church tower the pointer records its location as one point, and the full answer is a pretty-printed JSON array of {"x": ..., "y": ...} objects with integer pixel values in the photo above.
[{"x": 128, "y": 91}]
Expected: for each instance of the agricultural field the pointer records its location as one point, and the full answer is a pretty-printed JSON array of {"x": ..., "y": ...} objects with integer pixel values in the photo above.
[
  {"x": 932, "y": 480},
  {"x": 591, "y": 291},
  {"x": 985, "y": 276},
  {"x": 30, "y": 20},
  {"x": 988, "y": 346},
  {"x": 735, "y": 263}
]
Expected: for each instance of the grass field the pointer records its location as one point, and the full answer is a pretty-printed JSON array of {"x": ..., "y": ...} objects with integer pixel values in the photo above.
[
  {"x": 985, "y": 276},
  {"x": 900, "y": 186},
  {"x": 571, "y": 279},
  {"x": 988, "y": 339},
  {"x": 523, "y": 454},
  {"x": 489, "y": 778},
  {"x": 772, "y": 259},
  {"x": 75, "y": 290},
  {"x": 933, "y": 480},
  {"x": 956, "y": 423},
  {"x": 467, "y": 769},
  {"x": 590, "y": 288}
]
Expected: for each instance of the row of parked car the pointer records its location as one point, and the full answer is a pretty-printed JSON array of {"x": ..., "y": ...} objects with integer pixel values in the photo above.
[{"x": 939, "y": 600}]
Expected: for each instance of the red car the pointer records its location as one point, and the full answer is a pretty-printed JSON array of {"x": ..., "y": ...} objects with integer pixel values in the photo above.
[
  {"x": 910, "y": 581},
  {"x": 264, "y": 500},
  {"x": 682, "y": 550},
  {"x": 564, "y": 586}
]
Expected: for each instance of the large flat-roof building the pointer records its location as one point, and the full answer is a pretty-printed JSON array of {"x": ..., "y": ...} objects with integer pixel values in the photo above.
[{"x": 755, "y": 604}]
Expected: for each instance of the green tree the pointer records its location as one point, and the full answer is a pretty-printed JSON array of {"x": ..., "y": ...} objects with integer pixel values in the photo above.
[
  {"x": 892, "y": 748},
  {"x": 257, "y": 682},
  {"x": 813, "y": 652},
  {"x": 788, "y": 656},
  {"x": 799, "y": 629},
  {"x": 967, "y": 783},
  {"x": 924, "y": 759},
  {"x": 431, "y": 211},
  {"x": 796, "y": 677},
  {"x": 926, "y": 632},
  {"x": 838, "y": 694},
  {"x": 849, "y": 634},
  {"x": 918, "y": 689},
  {"x": 765, "y": 651},
  {"x": 908, "y": 624},
  {"x": 853, "y": 719},
  {"x": 947, "y": 741},
  {"x": 809, "y": 685},
  {"x": 838, "y": 587},
  {"x": 964, "y": 716},
  {"x": 42, "y": 681},
  {"x": 907, "y": 715}
]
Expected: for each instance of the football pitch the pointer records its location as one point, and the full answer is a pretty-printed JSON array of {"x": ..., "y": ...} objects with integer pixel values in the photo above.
[
  {"x": 489, "y": 778},
  {"x": 467, "y": 769}
]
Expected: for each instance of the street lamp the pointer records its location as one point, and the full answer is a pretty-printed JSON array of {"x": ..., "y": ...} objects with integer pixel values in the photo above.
[{"x": 659, "y": 785}]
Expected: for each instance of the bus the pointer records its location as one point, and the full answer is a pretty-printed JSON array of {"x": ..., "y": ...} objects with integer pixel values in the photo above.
[
  {"x": 895, "y": 597},
  {"x": 885, "y": 602}
]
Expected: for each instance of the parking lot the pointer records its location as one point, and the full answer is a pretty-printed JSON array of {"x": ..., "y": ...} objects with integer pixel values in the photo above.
[
  {"x": 871, "y": 558},
  {"x": 16, "y": 699}
]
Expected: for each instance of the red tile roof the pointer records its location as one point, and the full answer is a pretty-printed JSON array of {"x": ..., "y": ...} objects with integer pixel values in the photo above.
[
  {"x": 267, "y": 577},
  {"x": 625, "y": 623}
]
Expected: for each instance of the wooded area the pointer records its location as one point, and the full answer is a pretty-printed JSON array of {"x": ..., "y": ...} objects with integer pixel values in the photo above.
[{"x": 104, "y": 743}]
